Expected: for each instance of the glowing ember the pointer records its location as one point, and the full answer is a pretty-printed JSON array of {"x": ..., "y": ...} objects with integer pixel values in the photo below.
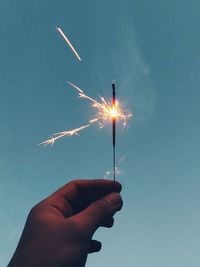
[{"x": 114, "y": 113}]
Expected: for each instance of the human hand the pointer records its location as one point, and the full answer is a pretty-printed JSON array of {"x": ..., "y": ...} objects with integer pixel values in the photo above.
[{"x": 59, "y": 229}]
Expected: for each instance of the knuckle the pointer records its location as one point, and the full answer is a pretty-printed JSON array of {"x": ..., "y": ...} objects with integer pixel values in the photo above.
[
  {"x": 75, "y": 183},
  {"x": 36, "y": 210}
]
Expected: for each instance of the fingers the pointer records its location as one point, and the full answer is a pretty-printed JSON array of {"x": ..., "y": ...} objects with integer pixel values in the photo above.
[
  {"x": 99, "y": 213},
  {"x": 95, "y": 246},
  {"x": 80, "y": 193},
  {"x": 78, "y": 189}
]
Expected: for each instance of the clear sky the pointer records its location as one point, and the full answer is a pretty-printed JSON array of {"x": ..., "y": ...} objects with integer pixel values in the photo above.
[{"x": 152, "y": 50}]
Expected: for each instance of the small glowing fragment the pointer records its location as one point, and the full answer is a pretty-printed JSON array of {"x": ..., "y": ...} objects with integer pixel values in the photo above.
[{"x": 68, "y": 42}]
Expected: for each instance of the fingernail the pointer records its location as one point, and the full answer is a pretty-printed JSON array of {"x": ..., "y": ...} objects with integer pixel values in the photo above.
[
  {"x": 117, "y": 186},
  {"x": 114, "y": 198}
]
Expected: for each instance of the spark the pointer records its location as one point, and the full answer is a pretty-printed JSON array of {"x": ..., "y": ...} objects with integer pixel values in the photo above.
[
  {"x": 68, "y": 42},
  {"x": 106, "y": 112},
  {"x": 56, "y": 136}
]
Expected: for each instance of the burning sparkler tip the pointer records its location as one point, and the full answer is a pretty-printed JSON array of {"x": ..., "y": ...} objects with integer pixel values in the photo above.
[{"x": 106, "y": 112}]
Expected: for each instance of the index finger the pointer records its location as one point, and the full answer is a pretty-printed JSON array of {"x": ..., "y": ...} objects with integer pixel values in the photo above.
[{"x": 79, "y": 189}]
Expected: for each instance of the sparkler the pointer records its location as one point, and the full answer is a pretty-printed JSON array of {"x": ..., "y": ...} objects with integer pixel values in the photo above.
[
  {"x": 106, "y": 112},
  {"x": 114, "y": 113}
]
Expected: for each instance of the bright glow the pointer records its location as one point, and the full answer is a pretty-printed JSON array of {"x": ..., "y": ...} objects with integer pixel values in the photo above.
[
  {"x": 114, "y": 113},
  {"x": 106, "y": 112}
]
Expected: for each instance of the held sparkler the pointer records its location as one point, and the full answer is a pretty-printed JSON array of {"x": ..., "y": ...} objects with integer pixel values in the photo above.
[
  {"x": 114, "y": 127},
  {"x": 106, "y": 111}
]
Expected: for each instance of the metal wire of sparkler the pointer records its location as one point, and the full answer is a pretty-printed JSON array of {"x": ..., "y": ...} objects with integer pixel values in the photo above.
[{"x": 114, "y": 129}]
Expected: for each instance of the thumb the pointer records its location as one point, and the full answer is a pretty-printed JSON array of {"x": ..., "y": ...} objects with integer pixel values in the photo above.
[{"x": 97, "y": 212}]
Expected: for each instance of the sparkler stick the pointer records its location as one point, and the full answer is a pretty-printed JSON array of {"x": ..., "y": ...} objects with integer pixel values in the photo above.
[
  {"x": 68, "y": 42},
  {"x": 114, "y": 128},
  {"x": 106, "y": 112}
]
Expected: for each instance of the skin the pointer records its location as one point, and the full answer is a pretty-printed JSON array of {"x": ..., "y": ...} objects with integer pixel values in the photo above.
[{"x": 58, "y": 231}]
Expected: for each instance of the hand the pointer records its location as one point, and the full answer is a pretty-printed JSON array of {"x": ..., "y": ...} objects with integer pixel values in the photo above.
[{"x": 59, "y": 230}]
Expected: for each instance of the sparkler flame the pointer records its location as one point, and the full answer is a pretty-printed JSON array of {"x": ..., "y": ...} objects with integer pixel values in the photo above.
[{"x": 106, "y": 111}]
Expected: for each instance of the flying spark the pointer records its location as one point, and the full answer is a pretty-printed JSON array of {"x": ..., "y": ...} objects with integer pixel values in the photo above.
[
  {"x": 106, "y": 112},
  {"x": 56, "y": 136},
  {"x": 68, "y": 42}
]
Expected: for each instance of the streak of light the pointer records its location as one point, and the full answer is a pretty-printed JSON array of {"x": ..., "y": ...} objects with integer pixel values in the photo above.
[
  {"x": 57, "y": 136},
  {"x": 68, "y": 42}
]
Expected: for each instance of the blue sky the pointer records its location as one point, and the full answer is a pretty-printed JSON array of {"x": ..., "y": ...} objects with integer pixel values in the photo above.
[{"x": 151, "y": 48}]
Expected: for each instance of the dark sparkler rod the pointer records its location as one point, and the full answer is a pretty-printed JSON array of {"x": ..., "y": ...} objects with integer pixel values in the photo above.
[{"x": 114, "y": 131}]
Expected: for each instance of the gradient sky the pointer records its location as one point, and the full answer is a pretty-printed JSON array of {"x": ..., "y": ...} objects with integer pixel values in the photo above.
[{"x": 152, "y": 50}]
